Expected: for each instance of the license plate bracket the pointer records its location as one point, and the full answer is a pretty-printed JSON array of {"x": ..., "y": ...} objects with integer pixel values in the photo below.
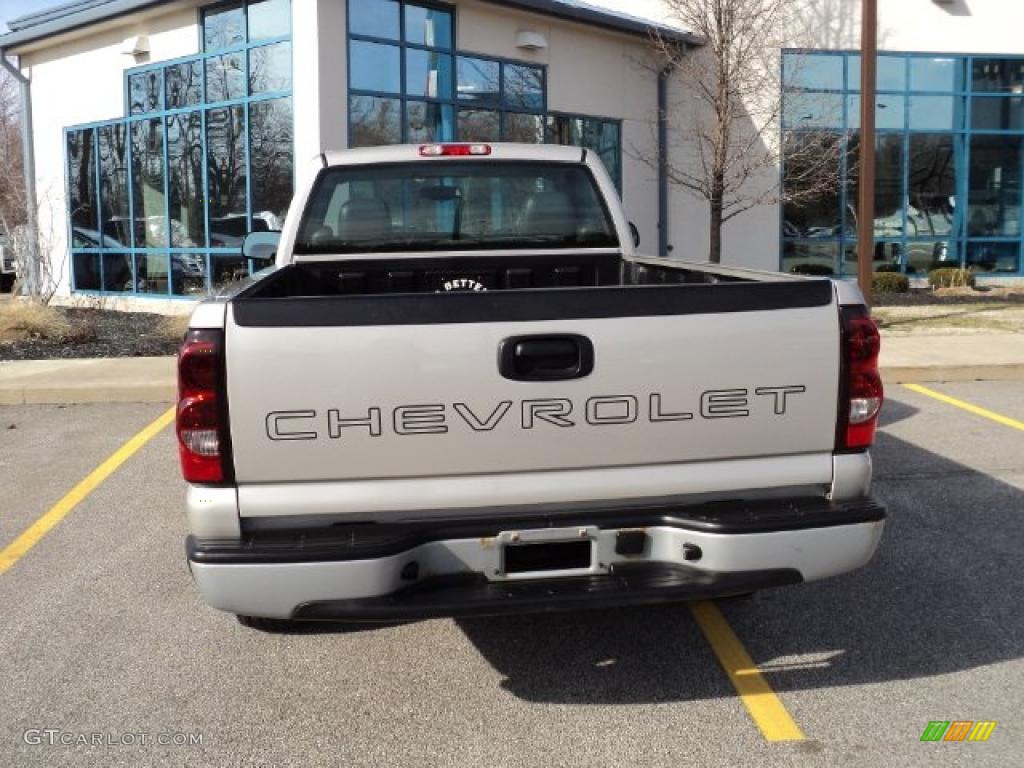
[{"x": 546, "y": 553}]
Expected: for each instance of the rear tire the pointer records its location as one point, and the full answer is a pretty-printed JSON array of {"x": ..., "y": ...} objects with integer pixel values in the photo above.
[{"x": 264, "y": 624}]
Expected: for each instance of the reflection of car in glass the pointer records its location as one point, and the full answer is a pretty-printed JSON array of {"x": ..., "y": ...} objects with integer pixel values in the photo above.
[{"x": 229, "y": 231}]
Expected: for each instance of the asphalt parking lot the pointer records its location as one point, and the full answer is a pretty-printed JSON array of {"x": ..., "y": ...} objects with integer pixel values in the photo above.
[{"x": 103, "y": 633}]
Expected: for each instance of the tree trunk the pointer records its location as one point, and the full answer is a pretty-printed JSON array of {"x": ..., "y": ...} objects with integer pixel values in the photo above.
[{"x": 715, "y": 226}]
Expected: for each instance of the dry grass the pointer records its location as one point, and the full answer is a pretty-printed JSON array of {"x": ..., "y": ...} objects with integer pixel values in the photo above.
[
  {"x": 172, "y": 327},
  {"x": 26, "y": 321},
  {"x": 952, "y": 319}
]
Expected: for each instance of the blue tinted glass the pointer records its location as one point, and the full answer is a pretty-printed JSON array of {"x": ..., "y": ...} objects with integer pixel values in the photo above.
[
  {"x": 375, "y": 67},
  {"x": 997, "y": 113},
  {"x": 478, "y": 80},
  {"x": 225, "y": 77},
  {"x": 429, "y": 122},
  {"x": 998, "y": 75},
  {"x": 428, "y": 73},
  {"x": 811, "y": 70},
  {"x": 891, "y": 74},
  {"x": 933, "y": 113},
  {"x": 993, "y": 194},
  {"x": 524, "y": 86},
  {"x": 477, "y": 125},
  {"x": 374, "y": 121},
  {"x": 523, "y": 128},
  {"x": 813, "y": 110},
  {"x": 145, "y": 92},
  {"x": 428, "y": 26},
  {"x": 994, "y": 257},
  {"x": 269, "y": 18},
  {"x": 223, "y": 27},
  {"x": 888, "y": 111},
  {"x": 270, "y": 68},
  {"x": 184, "y": 84},
  {"x": 927, "y": 74},
  {"x": 376, "y": 18},
  {"x": 821, "y": 258}
]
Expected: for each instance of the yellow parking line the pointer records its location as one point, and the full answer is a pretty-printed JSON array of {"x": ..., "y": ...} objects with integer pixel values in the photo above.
[
  {"x": 1006, "y": 421},
  {"x": 32, "y": 535},
  {"x": 765, "y": 708}
]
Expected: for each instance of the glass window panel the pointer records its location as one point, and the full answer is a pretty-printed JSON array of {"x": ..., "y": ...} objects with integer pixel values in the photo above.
[
  {"x": 813, "y": 110},
  {"x": 270, "y": 68},
  {"x": 375, "y": 67},
  {"x": 376, "y": 18},
  {"x": 994, "y": 187},
  {"x": 85, "y": 271},
  {"x": 810, "y": 185},
  {"x": 523, "y": 128},
  {"x": 889, "y": 110},
  {"x": 117, "y": 272},
  {"x": 271, "y": 158},
  {"x": 429, "y": 122},
  {"x": 813, "y": 71},
  {"x": 477, "y": 125},
  {"x": 994, "y": 257},
  {"x": 223, "y": 27},
  {"x": 523, "y": 86},
  {"x": 428, "y": 26},
  {"x": 478, "y": 80},
  {"x": 374, "y": 121},
  {"x": 227, "y": 270},
  {"x": 888, "y": 184},
  {"x": 814, "y": 258},
  {"x": 145, "y": 92},
  {"x": 184, "y": 84},
  {"x": 113, "y": 159},
  {"x": 151, "y": 273},
  {"x": 997, "y": 113},
  {"x": 603, "y": 136},
  {"x": 932, "y": 185},
  {"x": 891, "y": 74},
  {"x": 927, "y": 74},
  {"x": 998, "y": 75},
  {"x": 926, "y": 255},
  {"x": 428, "y": 73},
  {"x": 932, "y": 113},
  {"x": 188, "y": 274},
  {"x": 82, "y": 203},
  {"x": 147, "y": 138},
  {"x": 226, "y": 176},
  {"x": 225, "y": 77},
  {"x": 269, "y": 18},
  {"x": 185, "y": 158}
]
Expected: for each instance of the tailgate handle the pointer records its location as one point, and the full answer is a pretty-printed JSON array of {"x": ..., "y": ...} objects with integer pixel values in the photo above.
[{"x": 546, "y": 358}]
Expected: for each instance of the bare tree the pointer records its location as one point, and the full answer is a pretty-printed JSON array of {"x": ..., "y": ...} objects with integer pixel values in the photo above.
[
  {"x": 725, "y": 126},
  {"x": 12, "y": 197}
]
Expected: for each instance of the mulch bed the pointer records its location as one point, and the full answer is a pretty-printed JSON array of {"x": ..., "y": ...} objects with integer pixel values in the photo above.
[
  {"x": 98, "y": 333},
  {"x": 926, "y": 296}
]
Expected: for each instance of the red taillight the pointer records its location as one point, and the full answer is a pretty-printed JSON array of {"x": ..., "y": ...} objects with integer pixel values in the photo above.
[
  {"x": 453, "y": 150},
  {"x": 201, "y": 417},
  {"x": 861, "y": 389}
]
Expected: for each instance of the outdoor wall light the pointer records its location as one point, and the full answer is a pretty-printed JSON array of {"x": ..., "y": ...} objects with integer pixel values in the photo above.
[{"x": 530, "y": 40}]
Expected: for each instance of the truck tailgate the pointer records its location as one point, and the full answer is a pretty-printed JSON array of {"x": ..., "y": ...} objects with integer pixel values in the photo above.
[{"x": 333, "y": 389}]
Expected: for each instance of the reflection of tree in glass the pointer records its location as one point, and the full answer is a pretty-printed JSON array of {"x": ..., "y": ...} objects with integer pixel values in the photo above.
[
  {"x": 148, "y": 181},
  {"x": 224, "y": 77},
  {"x": 81, "y": 179},
  {"x": 185, "y": 156},
  {"x": 226, "y": 172},
  {"x": 114, "y": 182},
  {"x": 145, "y": 91},
  {"x": 184, "y": 85},
  {"x": 374, "y": 121},
  {"x": 523, "y": 86},
  {"x": 270, "y": 127},
  {"x": 270, "y": 68},
  {"x": 224, "y": 27}
]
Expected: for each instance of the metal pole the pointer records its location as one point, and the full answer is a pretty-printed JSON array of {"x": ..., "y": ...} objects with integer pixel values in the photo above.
[
  {"x": 32, "y": 279},
  {"x": 866, "y": 196}
]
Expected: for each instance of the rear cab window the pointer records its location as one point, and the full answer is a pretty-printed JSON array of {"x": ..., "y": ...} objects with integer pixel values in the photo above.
[{"x": 454, "y": 206}]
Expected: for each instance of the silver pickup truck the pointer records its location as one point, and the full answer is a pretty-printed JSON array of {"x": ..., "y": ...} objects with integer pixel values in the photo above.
[{"x": 459, "y": 390}]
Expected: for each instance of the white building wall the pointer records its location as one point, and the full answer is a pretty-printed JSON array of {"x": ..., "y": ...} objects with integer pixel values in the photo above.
[{"x": 79, "y": 78}]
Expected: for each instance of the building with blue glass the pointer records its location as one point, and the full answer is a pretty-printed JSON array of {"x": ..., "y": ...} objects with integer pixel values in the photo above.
[{"x": 165, "y": 130}]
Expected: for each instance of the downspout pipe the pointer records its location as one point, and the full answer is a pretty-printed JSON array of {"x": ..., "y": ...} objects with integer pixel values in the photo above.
[
  {"x": 663, "y": 75},
  {"x": 32, "y": 279}
]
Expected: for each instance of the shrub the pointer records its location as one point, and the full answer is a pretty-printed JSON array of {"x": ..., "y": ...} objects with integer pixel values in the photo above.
[
  {"x": 889, "y": 282},
  {"x": 26, "y": 320},
  {"x": 815, "y": 270},
  {"x": 949, "y": 277}
]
